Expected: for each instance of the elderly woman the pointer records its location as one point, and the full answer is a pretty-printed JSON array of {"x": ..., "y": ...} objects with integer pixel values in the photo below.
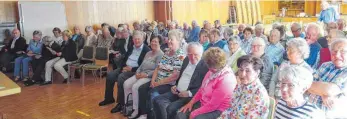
[
  {"x": 297, "y": 50},
  {"x": 258, "y": 50},
  {"x": 57, "y": 35},
  {"x": 247, "y": 41},
  {"x": 259, "y": 32},
  {"x": 33, "y": 52},
  {"x": 228, "y": 32},
  {"x": 274, "y": 49},
  {"x": 143, "y": 74},
  {"x": 66, "y": 56},
  {"x": 105, "y": 40},
  {"x": 91, "y": 39},
  {"x": 216, "y": 90},
  {"x": 234, "y": 43},
  {"x": 79, "y": 39},
  {"x": 215, "y": 40},
  {"x": 294, "y": 83},
  {"x": 324, "y": 53},
  {"x": 166, "y": 74},
  {"x": 203, "y": 38},
  {"x": 49, "y": 50},
  {"x": 250, "y": 99}
]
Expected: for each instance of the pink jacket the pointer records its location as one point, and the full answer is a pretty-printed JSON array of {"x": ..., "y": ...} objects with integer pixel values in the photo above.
[{"x": 216, "y": 93}]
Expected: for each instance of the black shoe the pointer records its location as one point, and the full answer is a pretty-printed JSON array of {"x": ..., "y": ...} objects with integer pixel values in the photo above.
[
  {"x": 118, "y": 108},
  {"x": 29, "y": 83},
  {"x": 39, "y": 82},
  {"x": 46, "y": 83},
  {"x": 65, "y": 81},
  {"x": 105, "y": 102}
]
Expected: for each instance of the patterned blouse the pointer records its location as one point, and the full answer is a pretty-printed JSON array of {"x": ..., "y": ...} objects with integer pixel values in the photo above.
[
  {"x": 168, "y": 64},
  {"x": 249, "y": 102}
]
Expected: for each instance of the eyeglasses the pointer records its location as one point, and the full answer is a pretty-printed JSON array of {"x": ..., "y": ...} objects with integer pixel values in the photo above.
[{"x": 257, "y": 46}]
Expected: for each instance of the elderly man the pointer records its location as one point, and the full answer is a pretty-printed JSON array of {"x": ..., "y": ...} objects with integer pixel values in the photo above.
[
  {"x": 275, "y": 50},
  {"x": 191, "y": 75},
  {"x": 194, "y": 34},
  {"x": 325, "y": 52},
  {"x": 240, "y": 28},
  {"x": 296, "y": 31},
  {"x": 111, "y": 29},
  {"x": 259, "y": 32},
  {"x": 207, "y": 26},
  {"x": 14, "y": 49},
  {"x": 120, "y": 46},
  {"x": 258, "y": 50},
  {"x": 328, "y": 91},
  {"x": 133, "y": 59},
  {"x": 161, "y": 30},
  {"x": 312, "y": 34},
  {"x": 328, "y": 13},
  {"x": 341, "y": 24}
]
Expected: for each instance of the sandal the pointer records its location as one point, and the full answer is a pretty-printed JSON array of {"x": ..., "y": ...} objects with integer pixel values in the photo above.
[
  {"x": 16, "y": 79},
  {"x": 25, "y": 79}
]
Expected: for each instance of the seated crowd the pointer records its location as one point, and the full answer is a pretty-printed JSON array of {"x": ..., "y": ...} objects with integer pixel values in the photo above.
[{"x": 186, "y": 72}]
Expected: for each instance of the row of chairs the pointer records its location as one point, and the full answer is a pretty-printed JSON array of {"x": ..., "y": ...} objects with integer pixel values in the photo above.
[{"x": 99, "y": 58}]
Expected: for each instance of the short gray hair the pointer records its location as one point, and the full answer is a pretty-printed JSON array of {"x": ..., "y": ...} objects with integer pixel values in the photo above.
[
  {"x": 337, "y": 41},
  {"x": 259, "y": 26},
  {"x": 197, "y": 46},
  {"x": 37, "y": 32},
  {"x": 296, "y": 25},
  {"x": 47, "y": 39},
  {"x": 235, "y": 39},
  {"x": 229, "y": 31},
  {"x": 176, "y": 33},
  {"x": 139, "y": 33},
  {"x": 301, "y": 45},
  {"x": 298, "y": 75},
  {"x": 315, "y": 26}
]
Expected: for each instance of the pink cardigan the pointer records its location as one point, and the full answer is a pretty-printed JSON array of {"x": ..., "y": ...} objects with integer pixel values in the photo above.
[{"x": 216, "y": 95}]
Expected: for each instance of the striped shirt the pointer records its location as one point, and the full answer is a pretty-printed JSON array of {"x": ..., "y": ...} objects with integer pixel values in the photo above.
[{"x": 306, "y": 111}]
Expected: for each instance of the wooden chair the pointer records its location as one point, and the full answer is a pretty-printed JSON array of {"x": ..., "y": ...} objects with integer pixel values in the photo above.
[
  {"x": 101, "y": 61},
  {"x": 88, "y": 55},
  {"x": 272, "y": 108}
]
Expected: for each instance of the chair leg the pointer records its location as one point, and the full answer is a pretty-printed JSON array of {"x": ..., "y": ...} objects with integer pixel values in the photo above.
[
  {"x": 69, "y": 73},
  {"x": 83, "y": 76}
]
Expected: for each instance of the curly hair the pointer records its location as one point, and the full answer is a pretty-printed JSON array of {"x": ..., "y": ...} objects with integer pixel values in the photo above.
[
  {"x": 256, "y": 63},
  {"x": 215, "y": 58}
]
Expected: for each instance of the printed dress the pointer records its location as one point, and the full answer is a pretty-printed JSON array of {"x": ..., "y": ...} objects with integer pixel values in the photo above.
[{"x": 248, "y": 102}]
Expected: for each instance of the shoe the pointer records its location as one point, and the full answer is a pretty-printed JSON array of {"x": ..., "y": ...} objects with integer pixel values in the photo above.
[
  {"x": 46, "y": 83},
  {"x": 118, "y": 108},
  {"x": 39, "y": 82},
  {"x": 65, "y": 81},
  {"x": 29, "y": 83},
  {"x": 25, "y": 79},
  {"x": 143, "y": 116},
  {"x": 134, "y": 115},
  {"x": 105, "y": 102}
]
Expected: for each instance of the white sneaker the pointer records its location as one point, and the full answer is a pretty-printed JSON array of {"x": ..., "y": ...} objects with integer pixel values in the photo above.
[{"x": 143, "y": 116}]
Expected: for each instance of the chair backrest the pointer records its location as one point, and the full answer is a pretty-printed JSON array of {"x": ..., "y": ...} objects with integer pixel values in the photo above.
[
  {"x": 272, "y": 107},
  {"x": 88, "y": 53},
  {"x": 101, "y": 56}
]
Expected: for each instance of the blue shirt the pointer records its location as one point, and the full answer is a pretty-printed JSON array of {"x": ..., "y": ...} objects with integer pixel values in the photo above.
[
  {"x": 219, "y": 43},
  {"x": 194, "y": 35},
  {"x": 313, "y": 59},
  {"x": 74, "y": 37},
  {"x": 35, "y": 47},
  {"x": 246, "y": 45},
  {"x": 328, "y": 15},
  {"x": 241, "y": 36},
  {"x": 275, "y": 52},
  {"x": 134, "y": 57}
]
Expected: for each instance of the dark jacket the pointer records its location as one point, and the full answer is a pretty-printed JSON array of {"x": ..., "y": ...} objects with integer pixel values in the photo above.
[
  {"x": 69, "y": 50},
  {"x": 145, "y": 49},
  {"x": 197, "y": 77},
  {"x": 118, "y": 45},
  {"x": 80, "y": 41},
  {"x": 47, "y": 55},
  {"x": 20, "y": 45}
]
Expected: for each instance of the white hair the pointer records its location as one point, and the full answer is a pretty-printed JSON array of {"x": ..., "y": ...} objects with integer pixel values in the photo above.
[
  {"x": 197, "y": 46},
  {"x": 336, "y": 42},
  {"x": 298, "y": 75},
  {"x": 301, "y": 45},
  {"x": 259, "y": 26}
]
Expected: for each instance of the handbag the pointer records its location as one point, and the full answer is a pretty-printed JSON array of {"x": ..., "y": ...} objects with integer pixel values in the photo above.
[{"x": 128, "y": 107}]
